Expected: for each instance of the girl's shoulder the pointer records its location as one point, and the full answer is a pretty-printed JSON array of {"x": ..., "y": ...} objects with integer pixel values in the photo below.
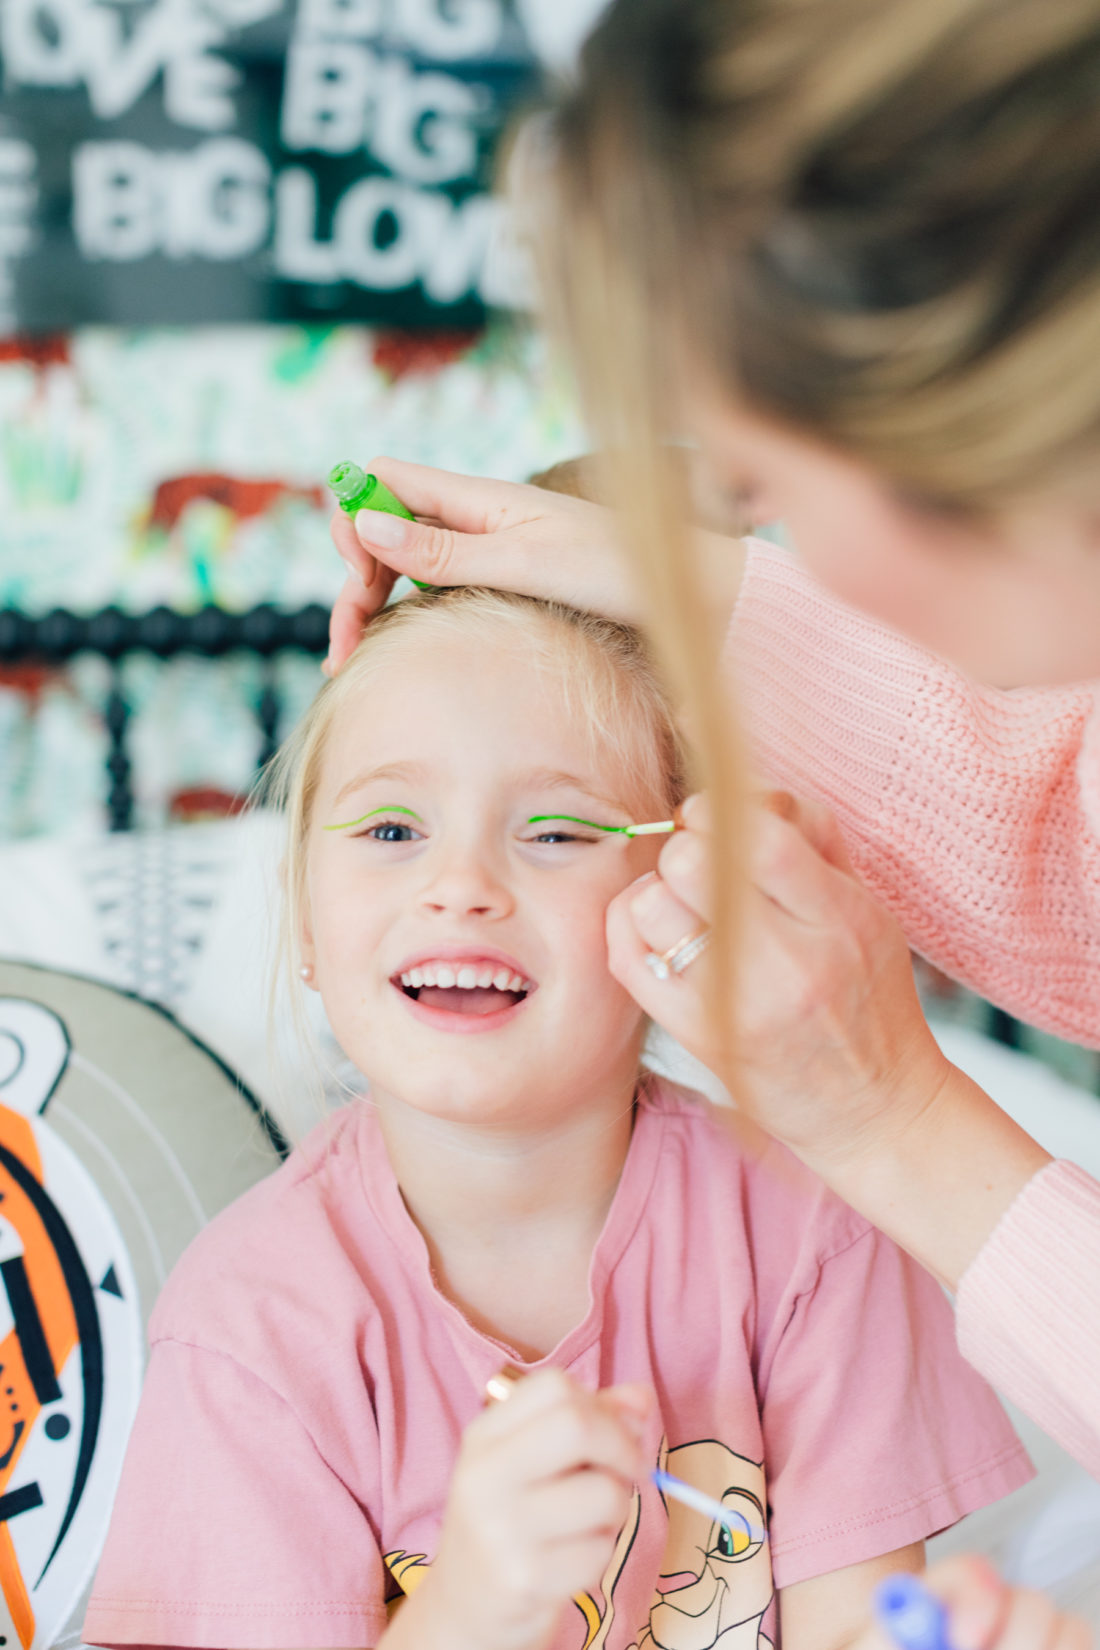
[
  {"x": 715, "y": 1158},
  {"x": 293, "y": 1239}
]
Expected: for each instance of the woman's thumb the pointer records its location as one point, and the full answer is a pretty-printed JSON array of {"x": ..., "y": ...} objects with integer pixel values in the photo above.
[{"x": 431, "y": 555}]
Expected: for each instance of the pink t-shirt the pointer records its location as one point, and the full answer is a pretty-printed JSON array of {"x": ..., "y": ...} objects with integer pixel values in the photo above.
[{"x": 308, "y": 1387}]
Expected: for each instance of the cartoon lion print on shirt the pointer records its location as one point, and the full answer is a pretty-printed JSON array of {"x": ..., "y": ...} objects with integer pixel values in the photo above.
[{"x": 715, "y": 1584}]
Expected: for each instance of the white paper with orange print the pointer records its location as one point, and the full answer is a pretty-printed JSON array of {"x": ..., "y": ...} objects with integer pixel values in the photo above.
[{"x": 70, "y": 1344}]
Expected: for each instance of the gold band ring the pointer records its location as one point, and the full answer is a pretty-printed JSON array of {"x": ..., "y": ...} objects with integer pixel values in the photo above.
[{"x": 678, "y": 956}]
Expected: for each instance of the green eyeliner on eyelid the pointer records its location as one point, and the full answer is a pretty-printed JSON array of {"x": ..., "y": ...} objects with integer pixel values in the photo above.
[
  {"x": 348, "y": 823},
  {"x": 655, "y": 827}
]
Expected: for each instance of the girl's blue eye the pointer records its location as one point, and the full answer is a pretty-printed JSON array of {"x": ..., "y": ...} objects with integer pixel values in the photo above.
[
  {"x": 554, "y": 838},
  {"x": 392, "y": 830}
]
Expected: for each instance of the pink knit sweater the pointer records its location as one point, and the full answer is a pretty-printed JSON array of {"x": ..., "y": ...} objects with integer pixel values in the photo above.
[{"x": 975, "y": 816}]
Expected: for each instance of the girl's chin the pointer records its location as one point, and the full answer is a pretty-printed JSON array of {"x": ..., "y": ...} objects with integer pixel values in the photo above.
[{"x": 469, "y": 1104}]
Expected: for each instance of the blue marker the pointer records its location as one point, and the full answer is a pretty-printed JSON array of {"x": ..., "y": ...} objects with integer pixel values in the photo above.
[
  {"x": 728, "y": 1517},
  {"x": 910, "y": 1615}
]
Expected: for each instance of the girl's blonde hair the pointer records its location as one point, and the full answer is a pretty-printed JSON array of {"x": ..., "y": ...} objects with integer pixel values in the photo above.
[
  {"x": 875, "y": 220},
  {"x": 601, "y": 667}
]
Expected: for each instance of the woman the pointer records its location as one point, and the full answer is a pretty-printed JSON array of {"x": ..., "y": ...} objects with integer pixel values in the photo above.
[{"x": 852, "y": 248}]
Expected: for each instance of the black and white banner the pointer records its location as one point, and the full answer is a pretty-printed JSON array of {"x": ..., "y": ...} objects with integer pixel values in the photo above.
[{"x": 236, "y": 160}]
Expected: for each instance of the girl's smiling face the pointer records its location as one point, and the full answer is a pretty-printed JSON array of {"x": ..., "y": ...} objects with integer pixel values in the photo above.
[{"x": 423, "y": 870}]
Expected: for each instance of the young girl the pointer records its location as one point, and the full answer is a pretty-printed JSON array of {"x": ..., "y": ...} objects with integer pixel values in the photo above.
[{"x": 312, "y": 1445}]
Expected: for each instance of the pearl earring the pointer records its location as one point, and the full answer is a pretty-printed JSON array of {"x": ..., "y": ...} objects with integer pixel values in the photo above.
[{"x": 306, "y": 971}]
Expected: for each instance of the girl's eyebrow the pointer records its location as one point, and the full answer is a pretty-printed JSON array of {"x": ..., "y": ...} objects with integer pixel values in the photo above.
[
  {"x": 409, "y": 771},
  {"x": 391, "y": 808},
  {"x": 554, "y": 779}
]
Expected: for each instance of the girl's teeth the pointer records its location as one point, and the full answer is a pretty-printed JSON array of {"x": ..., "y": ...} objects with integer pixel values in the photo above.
[{"x": 466, "y": 977}]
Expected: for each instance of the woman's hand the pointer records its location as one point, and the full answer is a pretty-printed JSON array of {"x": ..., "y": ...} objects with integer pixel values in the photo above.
[
  {"x": 832, "y": 1053},
  {"x": 472, "y": 531},
  {"x": 830, "y": 1041},
  {"x": 542, "y": 1488},
  {"x": 510, "y": 537},
  {"x": 985, "y": 1613}
]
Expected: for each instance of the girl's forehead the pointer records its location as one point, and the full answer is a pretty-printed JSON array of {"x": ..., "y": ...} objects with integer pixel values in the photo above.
[{"x": 456, "y": 709}]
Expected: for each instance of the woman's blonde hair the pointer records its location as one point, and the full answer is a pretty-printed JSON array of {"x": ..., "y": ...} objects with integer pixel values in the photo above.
[
  {"x": 602, "y": 669},
  {"x": 874, "y": 220}
]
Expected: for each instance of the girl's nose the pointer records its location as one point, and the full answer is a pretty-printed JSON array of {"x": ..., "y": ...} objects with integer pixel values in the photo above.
[
  {"x": 467, "y": 887},
  {"x": 468, "y": 907}
]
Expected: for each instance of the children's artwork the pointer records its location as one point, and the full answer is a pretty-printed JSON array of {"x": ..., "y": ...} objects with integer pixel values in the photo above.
[{"x": 188, "y": 468}]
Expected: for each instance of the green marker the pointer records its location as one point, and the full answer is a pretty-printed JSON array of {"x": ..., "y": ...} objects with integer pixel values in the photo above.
[
  {"x": 356, "y": 490},
  {"x": 653, "y": 827},
  {"x": 391, "y": 808}
]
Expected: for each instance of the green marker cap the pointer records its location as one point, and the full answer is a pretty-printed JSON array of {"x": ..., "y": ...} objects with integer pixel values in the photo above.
[{"x": 356, "y": 489}]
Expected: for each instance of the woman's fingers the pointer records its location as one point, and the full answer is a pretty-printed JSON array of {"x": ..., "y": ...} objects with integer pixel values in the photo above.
[
  {"x": 796, "y": 859},
  {"x": 661, "y": 919},
  {"x": 794, "y": 871},
  {"x": 540, "y": 544},
  {"x": 430, "y": 554},
  {"x": 825, "y": 1018},
  {"x": 365, "y": 590},
  {"x": 678, "y": 1004},
  {"x": 685, "y": 865},
  {"x": 817, "y": 823},
  {"x": 984, "y": 1613},
  {"x": 469, "y": 504},
  {"x": 350, "y": 613},
  {"x": 472, "y": 531}
]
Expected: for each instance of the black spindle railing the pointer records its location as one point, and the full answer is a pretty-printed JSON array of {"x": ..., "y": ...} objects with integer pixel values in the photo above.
[{"x": 56, "y": 637}]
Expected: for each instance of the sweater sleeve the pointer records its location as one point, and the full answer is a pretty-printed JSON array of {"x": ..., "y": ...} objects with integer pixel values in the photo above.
[
  {"x": 973, "y": 814},
  {"x": 1028, "y": 1308}
]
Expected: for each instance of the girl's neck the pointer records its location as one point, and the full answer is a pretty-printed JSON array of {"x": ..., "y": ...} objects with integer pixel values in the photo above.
[{"x": 511, "y": 1214}]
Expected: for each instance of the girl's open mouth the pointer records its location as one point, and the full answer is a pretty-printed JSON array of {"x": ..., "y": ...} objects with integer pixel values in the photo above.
[{"x": 476, "y": 989}]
